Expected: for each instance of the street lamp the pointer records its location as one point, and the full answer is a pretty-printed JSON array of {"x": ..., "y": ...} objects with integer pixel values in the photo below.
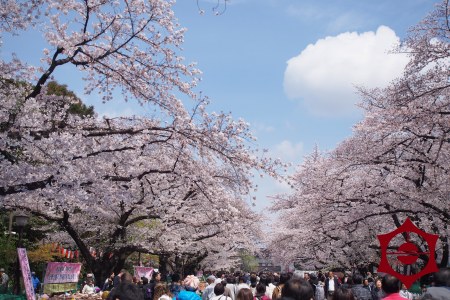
[{"x": 21, "y": 221}]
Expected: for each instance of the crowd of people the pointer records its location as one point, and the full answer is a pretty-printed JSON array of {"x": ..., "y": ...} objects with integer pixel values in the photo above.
[
  {"x": 262, "y": 286},
  {"x": 5, "y": 282},
  {"x": 271, "y": 286}
]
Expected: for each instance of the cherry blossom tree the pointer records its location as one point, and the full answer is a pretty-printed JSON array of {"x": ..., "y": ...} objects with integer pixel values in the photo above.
[
  {"x": 174, "y": 184},
  {"x": 395, "y": 165}
]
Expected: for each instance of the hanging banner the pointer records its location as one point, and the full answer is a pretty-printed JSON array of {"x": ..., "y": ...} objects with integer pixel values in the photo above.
[
  {"x": 60, "y": 288},
  {"x": 61, "y": 272},
  {"x": 143, "y": 272},
  {"x": 26, "y": 273}
]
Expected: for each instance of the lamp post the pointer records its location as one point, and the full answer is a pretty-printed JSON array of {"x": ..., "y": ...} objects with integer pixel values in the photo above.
[{"x": 21, "y": 221}]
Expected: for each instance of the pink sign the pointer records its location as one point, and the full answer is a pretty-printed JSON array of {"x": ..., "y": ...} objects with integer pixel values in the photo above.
[
  {"x": 26, "y": 273},
  {"x": 143, "y": 272},
  {"x": 60, "y": 272}
]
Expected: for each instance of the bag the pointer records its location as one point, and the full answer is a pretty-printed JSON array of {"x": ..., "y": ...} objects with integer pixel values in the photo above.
[
  {"x": 276, "y": 293},
  {"x": 320, "y": 293}
]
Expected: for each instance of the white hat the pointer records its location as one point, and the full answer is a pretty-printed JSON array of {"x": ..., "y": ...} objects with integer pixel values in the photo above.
[{"x": 211, "y": 277}]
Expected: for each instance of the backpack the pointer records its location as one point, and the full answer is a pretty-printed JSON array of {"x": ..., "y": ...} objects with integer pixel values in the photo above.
[
  {"x": 276, "y": 293},
  {"x": 320, "y": 293}
]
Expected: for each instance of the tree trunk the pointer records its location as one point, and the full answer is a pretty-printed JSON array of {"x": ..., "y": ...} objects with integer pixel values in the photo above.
[
  {"x": 445, "y": 253},
  {"x": 164, "y": 264},
  {"x": 104, "y": 266}
]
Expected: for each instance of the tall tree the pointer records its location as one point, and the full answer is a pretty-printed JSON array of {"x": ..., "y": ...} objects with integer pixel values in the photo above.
[
  {"x": 173, "y": 184},
  {"x": 395, "y": 165}
]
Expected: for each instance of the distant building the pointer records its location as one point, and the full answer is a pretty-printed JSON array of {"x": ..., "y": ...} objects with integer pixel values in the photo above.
[{"x": 266, "y": 264}]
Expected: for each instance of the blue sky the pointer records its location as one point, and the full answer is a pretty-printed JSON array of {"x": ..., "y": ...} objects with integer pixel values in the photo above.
[
  {"x": 244, "y": 56},
  {"x": 288, "y": 67}
]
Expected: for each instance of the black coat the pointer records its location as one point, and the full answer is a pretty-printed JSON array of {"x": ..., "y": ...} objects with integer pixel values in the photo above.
[
  {"x": 126, "y": 291},
  {"x": 327, "y": 281}
]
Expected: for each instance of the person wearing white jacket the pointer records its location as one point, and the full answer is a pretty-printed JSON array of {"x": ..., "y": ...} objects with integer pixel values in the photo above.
[{"x": 219, "y": 289}]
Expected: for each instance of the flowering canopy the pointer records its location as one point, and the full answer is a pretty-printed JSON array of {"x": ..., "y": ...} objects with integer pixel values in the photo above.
[
  {"x": 171, "y": 184},
  {"x": 396, "y": 165}
]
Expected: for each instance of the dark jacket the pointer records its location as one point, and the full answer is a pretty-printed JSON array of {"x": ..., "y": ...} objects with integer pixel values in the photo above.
[
  {"x": 146, "y": 287},
  {"x": 327, "y": 281},
  {"x": 126, "y": 291},
  {"x": 377, "y": 294},
  {"x": 361, "y": 293}
]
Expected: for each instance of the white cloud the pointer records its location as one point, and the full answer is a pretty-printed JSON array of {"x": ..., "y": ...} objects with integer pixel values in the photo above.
[
  {"x": 288, "y": 151},
  {"x": 262, "y": 128},
  {"x": 324, "y": 74}
]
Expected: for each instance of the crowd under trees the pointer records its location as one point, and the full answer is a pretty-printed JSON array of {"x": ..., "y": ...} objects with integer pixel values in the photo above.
[
  {"x": 395, "y": 165},
  {"x": 176, "y": 184}
]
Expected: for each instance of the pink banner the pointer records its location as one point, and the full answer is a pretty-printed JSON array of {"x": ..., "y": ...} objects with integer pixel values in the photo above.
[
  {"x": 143, "y": 272},
  {"x": 60, "y": 272},
  {"x": 26, "y": 273}
]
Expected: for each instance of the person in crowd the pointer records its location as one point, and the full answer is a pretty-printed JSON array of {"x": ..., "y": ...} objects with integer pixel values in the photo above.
[
  {"x": 277, "y": 291},
  {"x": 366, "y": 285},
  {"x": 331, "y": 284},
  {"x": 221, "y": 275},
  {"x": 270, "y": 286},
  {"x": 358, "y": 289},
  {"x": 321, "y": 276},
  {"x": 391, "y": 286},
  {"x": 219, "y": 290},
  {"x": 347, "y": 282},
  {"x": 312, "y": 279},
  {"x": 231, "y": 286},
  {"x": 190, "y": 284},
  {"x": 405, "y": 293},
  {"x": 260, "y": 292},
  {"x": 156, "y": 278},
  {"x": 423, "y": 288},
  {"x": 236, "y": 275},
  {"x": 371, "y": 282},
  {"x": 89, "y": 279},
  {"x": 126, "y": 289},
  {"x": 162, "y": 292},
  {"x": 208, "y": 293},
  {"x": 297, "y": 289},
  {"x": 253, "y": 282},
  {"x": 146, "y": 289},
  {"x": 136, "y": 280},
  {"x": 4, "y": 281},
  {"x": 243, "y": 283},
  {"x": 319, "y": 294},
  {"x": 276, "y": 279},
  {"x": 343, "y": 294},
  {"x": 175, "y": 286},
  {"x": 89, "y": 287},
  {"x": 36, "y": 282},
  {"x": 305, "y": 276},
  {"x": 377, "y": 291},
  {"x": 228, "y": 291},
  {"x": 244, "y": 294},
  {"x": 108, "y": 285},
  {"x": 116, "y": 280},
  {"x": 441, "y": 288}
]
